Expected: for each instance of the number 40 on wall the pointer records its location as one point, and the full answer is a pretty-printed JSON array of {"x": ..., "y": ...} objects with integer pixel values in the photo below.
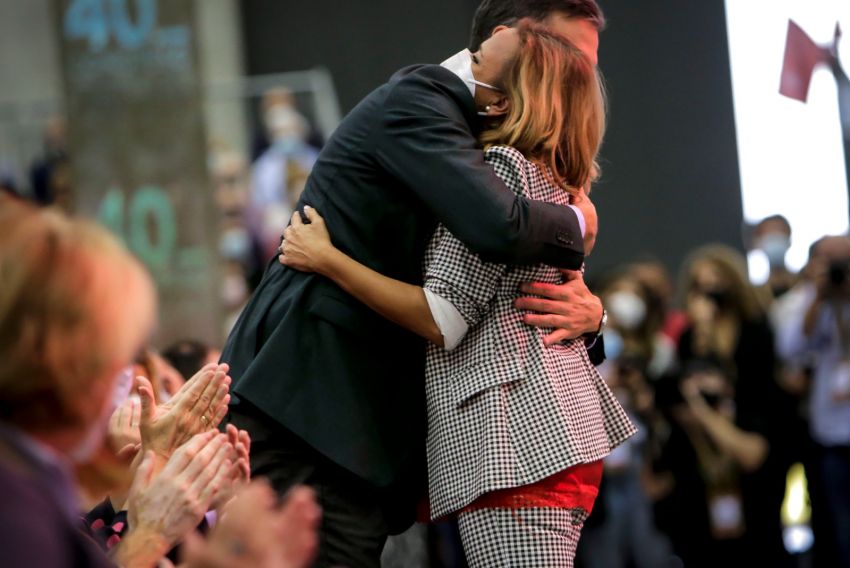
[
  {"x": 146, "y": 222},
  {"x": 99, "y": 20}
]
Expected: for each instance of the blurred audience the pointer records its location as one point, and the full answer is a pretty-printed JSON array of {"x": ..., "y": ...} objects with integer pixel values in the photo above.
[
  {"x": 240, "y": 248},
  {"x": 654, "y": 275},
  {"x": 50, "y": 176},
  {"x": 621, "y": 531},
  {"x": 188, "y": 356},
  {"x": 772, "y": 236},
  {"x": 725, "y": 453},
  {"x": 75, "y": 308},
  {"x": 166, "y": 380},
  {"x": 814, "y": 340},
  {"x": 280, "y": 172}
]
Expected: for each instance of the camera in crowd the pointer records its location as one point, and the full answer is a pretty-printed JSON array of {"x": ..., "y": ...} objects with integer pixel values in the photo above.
[{"x": 839, "y": 271}]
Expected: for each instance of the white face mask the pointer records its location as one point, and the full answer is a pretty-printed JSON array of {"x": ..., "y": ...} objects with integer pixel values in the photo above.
[
  {"x": 96, "y": 433},
  {"x": 234, "y": 291},
  {"x": 627, "y": 309},
  {"x": 461, "y": 65},
  {"x": 286, "y": 127}
]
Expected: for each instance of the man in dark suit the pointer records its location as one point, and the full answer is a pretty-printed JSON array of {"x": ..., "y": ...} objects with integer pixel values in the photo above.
[{"x": 331, "y": 393}]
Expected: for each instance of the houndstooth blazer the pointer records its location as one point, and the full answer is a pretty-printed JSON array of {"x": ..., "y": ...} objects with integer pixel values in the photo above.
[{"x": 503, "y": 409}]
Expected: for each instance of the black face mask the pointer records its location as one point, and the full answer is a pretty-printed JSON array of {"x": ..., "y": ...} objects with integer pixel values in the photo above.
[
  {"x": 712, "y": 399},
  {"x": 721, "y": 298},
  {"x": 838, "y": 272}
]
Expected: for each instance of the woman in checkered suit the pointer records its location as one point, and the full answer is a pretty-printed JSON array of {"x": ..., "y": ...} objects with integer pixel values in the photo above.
[{"x": 516, "y": 430}]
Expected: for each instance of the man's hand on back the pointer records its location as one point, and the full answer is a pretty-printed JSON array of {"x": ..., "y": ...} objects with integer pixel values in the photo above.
[{"x": 570, "y": 307}]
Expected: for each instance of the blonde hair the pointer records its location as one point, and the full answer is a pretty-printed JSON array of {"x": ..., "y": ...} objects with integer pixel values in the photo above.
[
  {"x": 74, "y": 305},
  {"x": 557, "y": 112}
]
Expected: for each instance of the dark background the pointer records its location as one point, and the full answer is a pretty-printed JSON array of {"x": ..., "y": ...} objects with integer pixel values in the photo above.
[{"x": 670, "y": 170}]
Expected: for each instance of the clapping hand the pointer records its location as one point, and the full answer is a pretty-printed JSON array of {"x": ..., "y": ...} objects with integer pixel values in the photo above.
[
  {"x": 198, "y": 406},
  {"x": 162, "y": 509},
  {"x": 254, "y": 531},
  {"x": 123, "y": 428},
  {"x": 241, "y": 442}
]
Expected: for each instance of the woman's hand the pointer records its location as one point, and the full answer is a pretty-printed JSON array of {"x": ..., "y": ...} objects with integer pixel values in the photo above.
[{"x": 306, "y": 247}]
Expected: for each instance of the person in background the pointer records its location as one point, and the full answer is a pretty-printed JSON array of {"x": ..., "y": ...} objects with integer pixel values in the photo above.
[
  {"x": 621, "y": 532},
  {"x": 814, "y": 339},
  {"x": 239, "y": 246},
  {"x": 725, "y": 453},
  {"x": 75, "y": 307},
  {"x": 772, "y": 236},
  {"x": 189, "y": 356},
  {"x": 48, "y": 174},
  {"x": 8, "y": 184},
  {"x": 166, "y": 380},
  {"x": 279, "y": 174},
  {"x": 655, "y": 276}
]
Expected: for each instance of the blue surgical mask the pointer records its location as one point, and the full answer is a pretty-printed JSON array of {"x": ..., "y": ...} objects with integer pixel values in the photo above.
[
  {"x": 775, "y": 246},
  {"x": 613, "y": 344},
  {"x": 235, "y": 244},
  {"x": 461, "y": 65}
]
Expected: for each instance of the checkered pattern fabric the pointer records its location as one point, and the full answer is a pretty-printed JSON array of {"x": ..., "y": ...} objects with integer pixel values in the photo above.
[
  {"x": 503, "y": 410},
  {"x": 516, "y": 538}
]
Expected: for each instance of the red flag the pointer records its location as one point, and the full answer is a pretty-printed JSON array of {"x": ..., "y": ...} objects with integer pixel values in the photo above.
[{"x": 802, "y": 55}]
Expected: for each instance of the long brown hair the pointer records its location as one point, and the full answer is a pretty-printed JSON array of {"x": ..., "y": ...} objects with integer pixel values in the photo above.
[
  {"x": 744, "y": 300},
  {"x": 557, "y": 112}
]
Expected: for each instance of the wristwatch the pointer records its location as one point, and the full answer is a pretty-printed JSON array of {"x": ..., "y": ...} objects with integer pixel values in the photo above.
[
  {"x": 602, "y": 323},
  {"x": 594, "y": 337}
]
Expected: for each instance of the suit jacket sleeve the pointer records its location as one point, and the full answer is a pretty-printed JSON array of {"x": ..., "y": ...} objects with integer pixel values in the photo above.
[
  {"x": 424, "y": 139},
  {"x": 459, "y": 275}
]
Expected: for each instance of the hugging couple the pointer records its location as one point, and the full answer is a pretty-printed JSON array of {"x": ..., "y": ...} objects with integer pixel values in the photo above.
[{"x": 427, "y": 315}]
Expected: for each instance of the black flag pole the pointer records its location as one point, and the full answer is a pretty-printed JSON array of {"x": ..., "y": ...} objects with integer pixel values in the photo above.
[{"x": 843, "y": 84}]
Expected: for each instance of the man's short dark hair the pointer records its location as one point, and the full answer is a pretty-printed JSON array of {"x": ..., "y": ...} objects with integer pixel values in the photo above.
[
  {"x": 492, "y": 13},
  {"x": 775, "y": 219}
]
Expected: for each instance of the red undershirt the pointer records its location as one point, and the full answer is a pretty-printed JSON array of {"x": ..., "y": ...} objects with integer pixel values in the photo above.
[{"x": 575, "y": 487}]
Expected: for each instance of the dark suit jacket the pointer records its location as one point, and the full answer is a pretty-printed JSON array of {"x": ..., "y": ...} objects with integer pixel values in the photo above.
[{"x": 322, "y": 364}]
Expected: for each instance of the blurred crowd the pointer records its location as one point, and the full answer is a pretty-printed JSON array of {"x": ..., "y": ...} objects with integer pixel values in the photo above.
[
  {"x": 741, "y": 392},
  {"x": 92, "y": 420}
]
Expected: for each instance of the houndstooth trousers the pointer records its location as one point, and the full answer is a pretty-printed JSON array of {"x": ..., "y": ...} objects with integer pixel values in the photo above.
[{"x": 518, "y": 538}]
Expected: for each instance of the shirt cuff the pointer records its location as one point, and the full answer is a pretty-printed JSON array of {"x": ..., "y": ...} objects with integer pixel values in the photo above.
[
  {"x": 580, "y": 216},
  {"x": 451, "y": 324}
]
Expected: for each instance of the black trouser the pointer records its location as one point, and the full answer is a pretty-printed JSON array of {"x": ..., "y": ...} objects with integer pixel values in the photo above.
[{"x": 354, "y": 528}]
